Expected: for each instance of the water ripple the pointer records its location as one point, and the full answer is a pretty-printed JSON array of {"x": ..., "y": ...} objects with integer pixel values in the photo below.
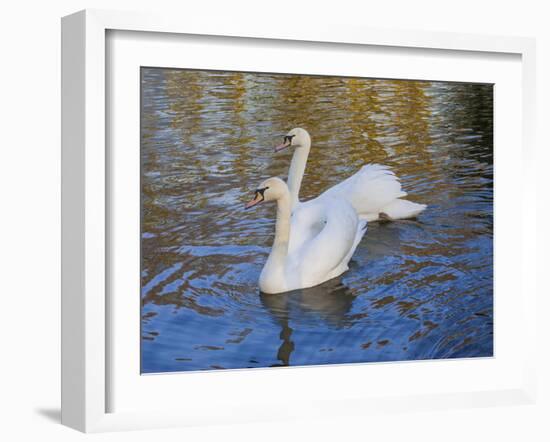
[{"x": 416, "y": 289}]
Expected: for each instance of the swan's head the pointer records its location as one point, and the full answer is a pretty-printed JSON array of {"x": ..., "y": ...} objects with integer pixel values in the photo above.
[
  {"x": 271, "y": 189},
  {"x": 296, "y": 138}
]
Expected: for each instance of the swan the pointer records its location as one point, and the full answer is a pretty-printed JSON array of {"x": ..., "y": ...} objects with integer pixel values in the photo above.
[
  {"x": 374, "y": 191},
  {"x": 325, "y": 252}
]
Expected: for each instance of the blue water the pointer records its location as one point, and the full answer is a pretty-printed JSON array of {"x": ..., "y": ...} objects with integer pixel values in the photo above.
[{"x": 416, "y": 289}]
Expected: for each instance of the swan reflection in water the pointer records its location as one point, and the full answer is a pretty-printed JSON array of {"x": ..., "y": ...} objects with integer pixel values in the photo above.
[{"x": 329, "y": 302}]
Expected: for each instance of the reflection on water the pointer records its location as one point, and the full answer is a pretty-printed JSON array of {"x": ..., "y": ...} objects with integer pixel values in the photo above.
[{"x": 416, "y": 289}]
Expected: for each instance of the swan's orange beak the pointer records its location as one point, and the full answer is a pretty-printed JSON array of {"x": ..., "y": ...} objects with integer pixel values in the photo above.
[
  {"x": 282, "y": 146},
  {"x": 258, "y": 198}
]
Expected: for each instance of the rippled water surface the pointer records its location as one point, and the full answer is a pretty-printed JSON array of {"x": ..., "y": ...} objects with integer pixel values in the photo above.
[{"x": 416, "y": 289}]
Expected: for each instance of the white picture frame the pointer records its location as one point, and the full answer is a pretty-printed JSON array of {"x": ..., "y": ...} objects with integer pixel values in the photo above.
[{"x": 86, "y": 352}]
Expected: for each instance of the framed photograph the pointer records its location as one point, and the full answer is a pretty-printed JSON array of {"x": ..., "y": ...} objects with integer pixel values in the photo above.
[{"x": 265, "y": 223}]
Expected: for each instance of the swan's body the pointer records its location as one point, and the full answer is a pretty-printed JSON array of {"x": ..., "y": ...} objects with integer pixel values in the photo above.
[
  {"x": 310, "y": 250},
  {"x": 374, "y": 191}
]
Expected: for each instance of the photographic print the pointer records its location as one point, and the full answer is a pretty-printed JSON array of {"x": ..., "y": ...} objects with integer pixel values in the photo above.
[{"x": 294, "y": 220}]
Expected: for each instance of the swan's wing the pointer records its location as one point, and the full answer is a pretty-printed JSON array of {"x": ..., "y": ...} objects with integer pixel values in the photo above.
[
  {"x": 326, "y": 255},
  {"x": 359, "y": 233},
  {"x": 368, "y": 190},
  {"x": 307, "y": 221}
]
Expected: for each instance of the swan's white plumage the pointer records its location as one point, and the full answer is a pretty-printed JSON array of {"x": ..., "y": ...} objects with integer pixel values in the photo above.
[
  {"x": 400, "y": 209},
  {"x": 329, "y": 244},
  {"x": 374, "y": 191},
  {"x": 312, "y": 246}
]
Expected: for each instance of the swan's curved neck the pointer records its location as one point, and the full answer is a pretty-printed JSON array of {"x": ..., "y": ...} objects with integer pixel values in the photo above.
[
  {"x": 296, "y": 172},
  {"x": 272, "y": 278},
  {"x": 282, "y": 225},
  {"x": 279, "y": 251}
]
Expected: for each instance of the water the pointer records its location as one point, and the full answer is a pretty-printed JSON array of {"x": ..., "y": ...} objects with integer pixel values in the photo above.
[{"x": 416, "y": 289}]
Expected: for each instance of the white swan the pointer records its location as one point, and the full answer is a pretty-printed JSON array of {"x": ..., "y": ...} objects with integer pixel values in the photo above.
[
  {"x": 374, "y": 191},
  {"x": 324, "y": 253}
]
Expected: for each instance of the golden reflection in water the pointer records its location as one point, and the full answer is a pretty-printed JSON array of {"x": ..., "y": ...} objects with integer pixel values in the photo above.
[
  {"x": 186, "y": 94},
  {"x": 366, "y": 113},
  {"x": 350, "y": 119}
]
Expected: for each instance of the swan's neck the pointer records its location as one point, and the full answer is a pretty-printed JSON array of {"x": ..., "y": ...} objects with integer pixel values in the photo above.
[
  {"x": 273, "y": 272},
  {"x": 279, "y": 250},
  {"x": 296, "y": 172}
]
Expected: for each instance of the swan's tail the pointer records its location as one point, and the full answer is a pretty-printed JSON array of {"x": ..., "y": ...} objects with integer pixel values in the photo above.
[
  {"x": 374, "y": 186},
  {"x": 401, "y": 209}
]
